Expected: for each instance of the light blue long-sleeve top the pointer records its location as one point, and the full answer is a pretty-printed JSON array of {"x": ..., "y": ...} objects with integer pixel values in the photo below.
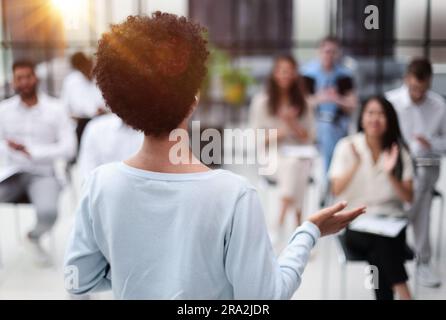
[{"x": 150, "y": 235}]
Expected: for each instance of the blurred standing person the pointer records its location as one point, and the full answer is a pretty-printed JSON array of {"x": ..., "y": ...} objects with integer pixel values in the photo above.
[
  {"x": 422, "y": 115},
  {"x": 34, "y": 132},
  {"x": 80, "y": 94},
  {"x": 107, "y": 139},
  {"x": 333, "y": 96},
  {"x": 373, "y": 167},
  {"x": 284, "y": 106}
]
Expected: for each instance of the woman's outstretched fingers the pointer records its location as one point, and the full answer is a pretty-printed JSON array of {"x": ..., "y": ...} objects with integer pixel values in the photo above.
[
  {"x": 325, "y": 218},
  {"x": 350, "y": 215},
  {"x": 334, "y": 208},
  {"x": 331, "y": 219},
  {"x": 346, "y": 217}
]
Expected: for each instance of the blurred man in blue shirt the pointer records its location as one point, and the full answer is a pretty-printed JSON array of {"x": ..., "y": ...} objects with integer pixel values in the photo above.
[{"x": 334, "y": 98}]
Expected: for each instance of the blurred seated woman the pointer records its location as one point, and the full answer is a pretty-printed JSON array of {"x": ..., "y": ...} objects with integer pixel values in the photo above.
[
  {"x": 284, "y": 106},
  {"x": 373, "y": 167}
]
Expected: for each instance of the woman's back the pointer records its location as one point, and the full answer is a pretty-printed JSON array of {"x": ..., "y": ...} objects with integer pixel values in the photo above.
[{"x": 164, "y": 235}]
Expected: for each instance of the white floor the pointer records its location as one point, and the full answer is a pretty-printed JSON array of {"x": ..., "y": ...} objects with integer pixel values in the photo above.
[{"x": 21, "y": 279}]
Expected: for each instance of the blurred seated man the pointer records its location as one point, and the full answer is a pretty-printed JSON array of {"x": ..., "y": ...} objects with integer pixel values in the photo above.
[
  {"x": 80, "y": 94},
  {"x": 34, "y": 132},
  {"x": 422, "y": 115},
  {"x": 107, "y": 139}
]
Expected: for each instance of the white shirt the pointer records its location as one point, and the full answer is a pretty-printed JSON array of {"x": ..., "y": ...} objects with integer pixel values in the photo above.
[
  {"x": 151, "y": 235},
  {"x": 427, "y": 119},
  {"x": 370, "y": 185},
  {"x": 107, "y": 139},
  {"x": 45, "y": 130},
  {"x": 81, "y": 96}
]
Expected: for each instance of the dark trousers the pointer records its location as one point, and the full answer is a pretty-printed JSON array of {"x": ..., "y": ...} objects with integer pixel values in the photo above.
[
  {"x": 81, "y": 124},
  {"x": 387, "y": 254}
]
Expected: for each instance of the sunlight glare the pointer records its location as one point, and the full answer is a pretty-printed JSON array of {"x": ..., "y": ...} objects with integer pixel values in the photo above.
[{"x": 72, "y": 11}]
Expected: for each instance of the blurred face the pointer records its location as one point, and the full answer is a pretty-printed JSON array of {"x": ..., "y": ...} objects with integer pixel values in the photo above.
[
  {"x": 374, "y": 119},
  {"x": 417, "y": 89},
  {"x": 25, "y": 82},
  {"x": 284, "y": 74},
  {"x": 329, "y": 53}
]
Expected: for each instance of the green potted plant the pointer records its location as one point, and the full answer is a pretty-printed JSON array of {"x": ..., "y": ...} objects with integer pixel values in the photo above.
[{"x": 233, "y": 82}]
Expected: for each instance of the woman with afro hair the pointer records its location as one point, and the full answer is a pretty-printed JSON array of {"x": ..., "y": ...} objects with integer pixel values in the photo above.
[{"x": 152, "y": 228}]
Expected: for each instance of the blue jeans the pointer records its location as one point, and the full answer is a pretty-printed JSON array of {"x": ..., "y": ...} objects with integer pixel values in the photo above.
[{"x": 328, "y": 134}]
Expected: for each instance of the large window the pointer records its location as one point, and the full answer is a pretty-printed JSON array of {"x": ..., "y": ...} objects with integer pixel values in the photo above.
[
  {"x": 246, "y": 26},
  {"x": 356, "y": 39}
]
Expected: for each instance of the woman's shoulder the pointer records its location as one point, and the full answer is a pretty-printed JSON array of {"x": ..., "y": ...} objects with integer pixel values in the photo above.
[
  {"x": 355, "y": 138},
  {"x": 261, "y": 94},
  {"x": 260, "y": 98},
  {"x": 258, "y": 112},
  {"x": 102, "y": 174},
  {"x": 226, "y": 179},
  {"x": 344, "y": 145}
]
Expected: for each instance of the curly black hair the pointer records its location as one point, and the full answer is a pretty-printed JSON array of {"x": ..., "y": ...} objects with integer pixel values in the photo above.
[{"x": 149, "y": 69}]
